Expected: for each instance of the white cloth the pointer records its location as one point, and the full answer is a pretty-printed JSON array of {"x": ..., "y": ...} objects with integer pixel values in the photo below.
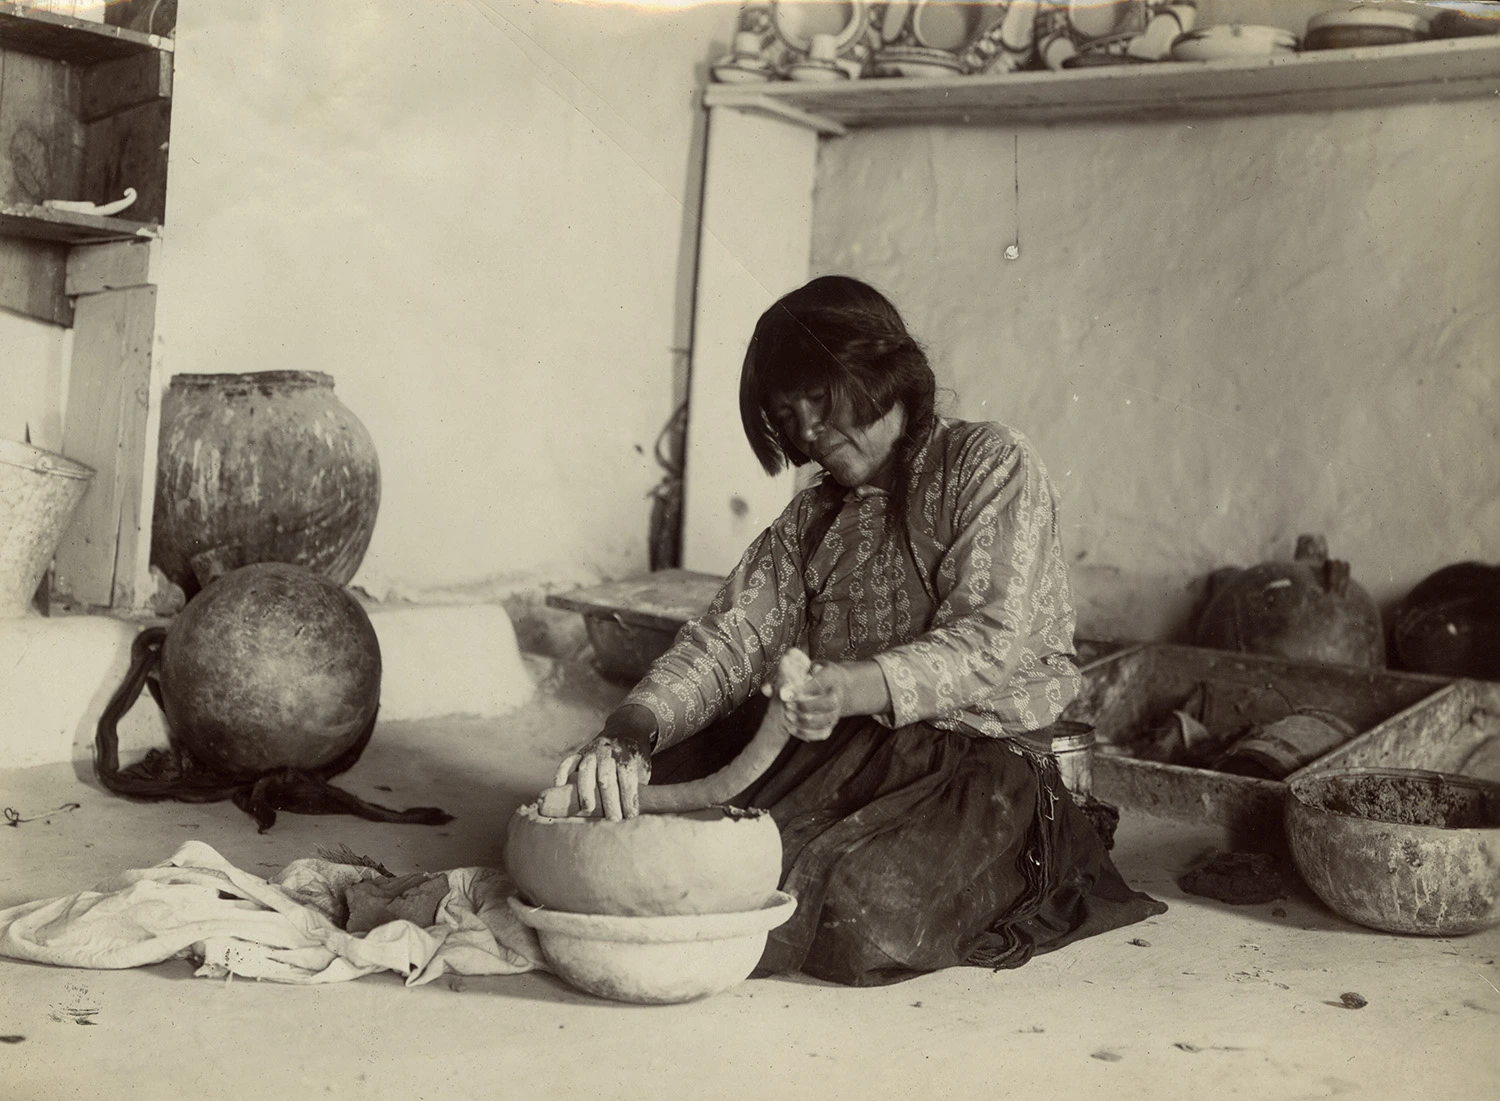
[{"x": 197, "y": 905}]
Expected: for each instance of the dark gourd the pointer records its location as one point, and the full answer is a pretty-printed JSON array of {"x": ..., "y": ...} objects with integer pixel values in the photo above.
[
  {"x": 1449, "y": 625},
  {"x": 271, "y": 666}
]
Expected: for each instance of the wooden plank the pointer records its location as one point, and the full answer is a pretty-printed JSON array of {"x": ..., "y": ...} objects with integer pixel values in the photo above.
[
  {"x": 790, "y": 113},
  {"x": 39, "y": 131},
  {"x": 42, "y": 224},
  {"x": 1438, "y": 734},
  {"x": 64, "y": 38},
  {"x": 111, "y": 86},
  {"x": 109, "y": 400},
  {"x": 129, "y": 149},
  {"x": 92, "y": 268},
  {"x": 32, "y": 279},
  {"x": 665, "y": 599},
  {"x": 1318, "y": 80}
]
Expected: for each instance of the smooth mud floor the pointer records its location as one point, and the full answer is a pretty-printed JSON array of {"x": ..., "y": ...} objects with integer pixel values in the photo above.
[{"x": 1207, "y": 1001}]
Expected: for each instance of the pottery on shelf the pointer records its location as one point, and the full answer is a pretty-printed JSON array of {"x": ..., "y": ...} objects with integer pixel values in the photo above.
[
  {"x": 746, "y": 63},
  {"x": 1233, "y": 40},
  {"x": 1363, "y": 25},
  {"x": 933, "y": 39},
  {"x": 777, "y": 39},
  {"x": 1067, "y": 28}
]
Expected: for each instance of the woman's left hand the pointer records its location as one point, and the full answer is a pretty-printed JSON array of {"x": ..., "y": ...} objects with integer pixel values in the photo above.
[{"x": 834, "y": 690}]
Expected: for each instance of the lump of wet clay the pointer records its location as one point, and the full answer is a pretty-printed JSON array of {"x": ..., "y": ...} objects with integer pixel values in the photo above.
[{"x": 1238, "y": 878}]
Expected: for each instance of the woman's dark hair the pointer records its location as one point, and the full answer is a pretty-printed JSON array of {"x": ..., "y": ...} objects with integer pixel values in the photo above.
[{"x": 837, "y": 334}]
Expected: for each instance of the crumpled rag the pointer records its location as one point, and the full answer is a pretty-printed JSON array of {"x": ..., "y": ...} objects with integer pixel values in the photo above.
[{"x": 196, "y": 905}]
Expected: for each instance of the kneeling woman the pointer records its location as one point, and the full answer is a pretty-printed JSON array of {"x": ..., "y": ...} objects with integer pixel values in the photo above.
[{"x": 924, "y": 574}]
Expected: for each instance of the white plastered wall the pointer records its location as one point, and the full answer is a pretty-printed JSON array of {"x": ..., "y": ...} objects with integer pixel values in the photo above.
[
  {"x": 1221, "y": 333},
  {"x": 477, "y": 216}
]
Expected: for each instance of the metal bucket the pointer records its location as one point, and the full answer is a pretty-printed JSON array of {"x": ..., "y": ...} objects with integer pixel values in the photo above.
[{"x": 39, "y": 492}]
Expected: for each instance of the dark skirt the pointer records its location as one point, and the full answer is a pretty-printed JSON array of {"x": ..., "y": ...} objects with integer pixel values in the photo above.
[{"x": 916, "y": 849}]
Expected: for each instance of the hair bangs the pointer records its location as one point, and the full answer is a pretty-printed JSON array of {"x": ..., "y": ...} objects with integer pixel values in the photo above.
[{"x": 836, "y": 335}]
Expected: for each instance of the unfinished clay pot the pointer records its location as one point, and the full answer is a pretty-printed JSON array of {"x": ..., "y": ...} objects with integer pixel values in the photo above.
[
  {"x": 1309, "y": 609},
  {"x": 715, "y": 861}
]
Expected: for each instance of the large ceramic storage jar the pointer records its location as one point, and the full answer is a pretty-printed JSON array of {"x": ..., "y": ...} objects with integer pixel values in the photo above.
[{"x": 261, "y": 467}]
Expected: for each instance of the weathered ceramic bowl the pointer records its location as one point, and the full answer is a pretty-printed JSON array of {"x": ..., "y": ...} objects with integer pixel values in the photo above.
[
  {"x": 1401, "y": 850},
  {"x": 654, "y": 960}
]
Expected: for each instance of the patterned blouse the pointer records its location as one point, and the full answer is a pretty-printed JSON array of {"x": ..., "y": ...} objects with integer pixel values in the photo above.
[{"x": 967, "y": 611}]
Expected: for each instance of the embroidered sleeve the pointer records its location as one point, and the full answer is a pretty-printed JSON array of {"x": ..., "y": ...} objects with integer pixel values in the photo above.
[
  {"x": 1002, "y": 592},
  {"x": 720, "y": 658}
]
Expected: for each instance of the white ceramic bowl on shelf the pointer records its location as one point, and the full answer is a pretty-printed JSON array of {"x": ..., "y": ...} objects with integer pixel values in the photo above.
[{"x": 1233, "y": 40}]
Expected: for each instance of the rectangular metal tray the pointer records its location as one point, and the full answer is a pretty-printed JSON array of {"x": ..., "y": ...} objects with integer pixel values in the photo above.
[{"x": 1127, "y": 693}]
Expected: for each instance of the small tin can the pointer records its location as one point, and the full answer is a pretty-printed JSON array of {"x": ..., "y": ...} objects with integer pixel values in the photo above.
[{"x": 1073, "y": 749}]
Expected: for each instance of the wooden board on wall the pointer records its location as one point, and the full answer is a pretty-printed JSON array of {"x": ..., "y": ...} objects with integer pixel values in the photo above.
[
  {"x": 110, "y": 86},
  {"x": 33, "y": 279},
  {"x": 129, "y": 149},
  {"x": 41, "y": 144},
  {"x": 109, "y": 266},
  {"x": 97, "y": 563}
]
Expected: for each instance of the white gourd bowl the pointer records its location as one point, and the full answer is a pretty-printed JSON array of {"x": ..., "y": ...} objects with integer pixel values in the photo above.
[{"x": 654, "y": 960}]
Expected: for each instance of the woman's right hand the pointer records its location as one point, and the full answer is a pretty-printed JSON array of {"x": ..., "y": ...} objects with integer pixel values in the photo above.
[{"x": 610, "y": 770}]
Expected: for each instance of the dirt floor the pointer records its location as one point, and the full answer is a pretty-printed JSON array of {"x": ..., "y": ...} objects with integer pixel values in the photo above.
[{"x": 1208, "y": 1000}]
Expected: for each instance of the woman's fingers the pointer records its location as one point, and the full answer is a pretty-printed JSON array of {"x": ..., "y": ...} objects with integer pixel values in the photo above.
[
  {"x": 609, "y": 788},
  {"x": 607, "y": 777},
  {"x": 588, "y": 780},
  {"x": 816, "y": 704},
  {"x": 630, "y": 789}
]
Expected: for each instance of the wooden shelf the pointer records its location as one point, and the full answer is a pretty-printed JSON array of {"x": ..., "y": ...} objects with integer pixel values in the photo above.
[
  {"x": 42, "y": 224},
  {"x": 63, "y": 38},
  {"x": 1447, "y": 69}
]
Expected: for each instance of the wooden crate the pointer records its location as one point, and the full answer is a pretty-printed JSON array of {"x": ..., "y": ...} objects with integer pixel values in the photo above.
[
  {"x": 1131, "y": 692},
  {"x": 1440, "y": 733},
  {"x": 85, "y": 113}
]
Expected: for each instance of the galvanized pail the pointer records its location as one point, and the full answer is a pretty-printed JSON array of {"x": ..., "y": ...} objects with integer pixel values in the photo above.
[{"x": 39, "y": 492}]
